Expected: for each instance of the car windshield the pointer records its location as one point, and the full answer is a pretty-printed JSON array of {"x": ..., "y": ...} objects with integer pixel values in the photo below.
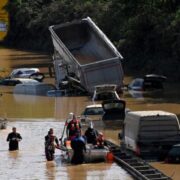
[
  {"x": 113, "y": 106},
  {"x": 30, "y": 71},
  {"x": 105, "y": 95},
  {"x": 94, "y": 111}
]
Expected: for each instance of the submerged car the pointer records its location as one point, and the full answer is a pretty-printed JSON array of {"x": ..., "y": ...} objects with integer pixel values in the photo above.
[
  {"x": 148, "y": 82},
  {"x": 33, "y": 73},
  {"x": 173, "y": 155},
  {"x": 105, "y": 92},
  {"x": 15, "y": 81},
  {"x": 33, "y": 88},
  {"x": 114, "y": 110},
  {"x": 92, "y": 112}
]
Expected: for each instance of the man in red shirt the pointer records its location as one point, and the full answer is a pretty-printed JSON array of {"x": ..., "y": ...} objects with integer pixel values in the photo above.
[{"x": 73, "y": 127}]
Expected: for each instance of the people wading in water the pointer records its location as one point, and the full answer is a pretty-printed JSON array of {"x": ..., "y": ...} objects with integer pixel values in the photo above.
[
  {"x": 14, "y": 139},
  {"x": 78, "y": 145},
  {"x": 51, "y": 142}
]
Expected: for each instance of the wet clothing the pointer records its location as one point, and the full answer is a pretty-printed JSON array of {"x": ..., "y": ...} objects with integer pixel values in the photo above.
[
  {"x": 73, "y": 127},
  {"x": 91, "y": 135},
  {"x": 50, "y": 144},
  {"x": 14, "y": 139},
  {"x": 79, "y": 146},
  {"x": 50, "y": 141}
]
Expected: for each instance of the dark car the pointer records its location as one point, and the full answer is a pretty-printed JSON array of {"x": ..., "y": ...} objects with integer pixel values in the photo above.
[
  {"x": 148, "y": 82},
  {"x": 173, "y": 155},
  {"x": 114, "y": 110}
]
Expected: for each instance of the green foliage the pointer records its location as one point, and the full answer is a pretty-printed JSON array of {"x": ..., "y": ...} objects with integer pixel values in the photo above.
[{"x": 146, "y": 32}]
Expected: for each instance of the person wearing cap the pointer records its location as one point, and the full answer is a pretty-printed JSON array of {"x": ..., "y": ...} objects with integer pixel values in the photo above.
[
  {"x": 14, "y": 139},
  {"x": 73, "y": 127},
  {"x": 91, "y": 134},
  {"x": 78, "y": 144}
]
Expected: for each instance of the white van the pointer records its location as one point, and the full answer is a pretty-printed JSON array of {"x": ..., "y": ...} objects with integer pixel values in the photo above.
[{"x": 150, "y": 131}]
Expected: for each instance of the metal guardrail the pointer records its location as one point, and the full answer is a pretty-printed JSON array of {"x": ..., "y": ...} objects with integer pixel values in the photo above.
[{"x": 137, "y": 167}]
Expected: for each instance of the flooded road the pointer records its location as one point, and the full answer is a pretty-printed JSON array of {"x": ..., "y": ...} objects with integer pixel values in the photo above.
[
  {"x": 34, "y": 115},
  {"x": 29, "y": 162}
]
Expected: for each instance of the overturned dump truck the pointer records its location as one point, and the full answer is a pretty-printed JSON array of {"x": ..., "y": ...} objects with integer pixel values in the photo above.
[{"x": 84, "y": 53}]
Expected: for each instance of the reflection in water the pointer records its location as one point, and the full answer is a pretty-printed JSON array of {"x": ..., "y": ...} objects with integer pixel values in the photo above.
[
  {"x": 30, "y": 163},
  {"x": 103, "y": 171},
  {"x": 51, "y": 170},
  {"x": 13, "y": 155}
]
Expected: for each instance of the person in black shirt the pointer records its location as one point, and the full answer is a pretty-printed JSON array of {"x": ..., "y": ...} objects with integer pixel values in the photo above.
[
  {"x": 91, "y": 135},
  {"x": 14, "y": 139}
]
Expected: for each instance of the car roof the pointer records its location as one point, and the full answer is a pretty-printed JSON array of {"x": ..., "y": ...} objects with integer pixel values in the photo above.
[
  {"x": 155, "y": 76},
  {"x": 176, "y": 145},
  {"x": 151, "y": 113},
  {"x": 24, "y": 69}
]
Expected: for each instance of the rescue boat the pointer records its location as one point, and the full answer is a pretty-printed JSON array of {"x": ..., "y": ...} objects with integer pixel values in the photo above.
[{"x": 92, "y": 153}]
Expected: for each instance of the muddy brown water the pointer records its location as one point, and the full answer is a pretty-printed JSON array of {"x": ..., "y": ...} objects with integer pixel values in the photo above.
[{"x": 34, "y": 115}]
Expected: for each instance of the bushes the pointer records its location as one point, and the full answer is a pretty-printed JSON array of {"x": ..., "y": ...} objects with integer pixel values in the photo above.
[{"x": 146, "y": 32}]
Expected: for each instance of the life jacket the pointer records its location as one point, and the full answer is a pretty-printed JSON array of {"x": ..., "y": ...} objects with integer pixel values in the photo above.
[
  {"x": 74, "y": 125},
  {"x": 100, "y": 141}
]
